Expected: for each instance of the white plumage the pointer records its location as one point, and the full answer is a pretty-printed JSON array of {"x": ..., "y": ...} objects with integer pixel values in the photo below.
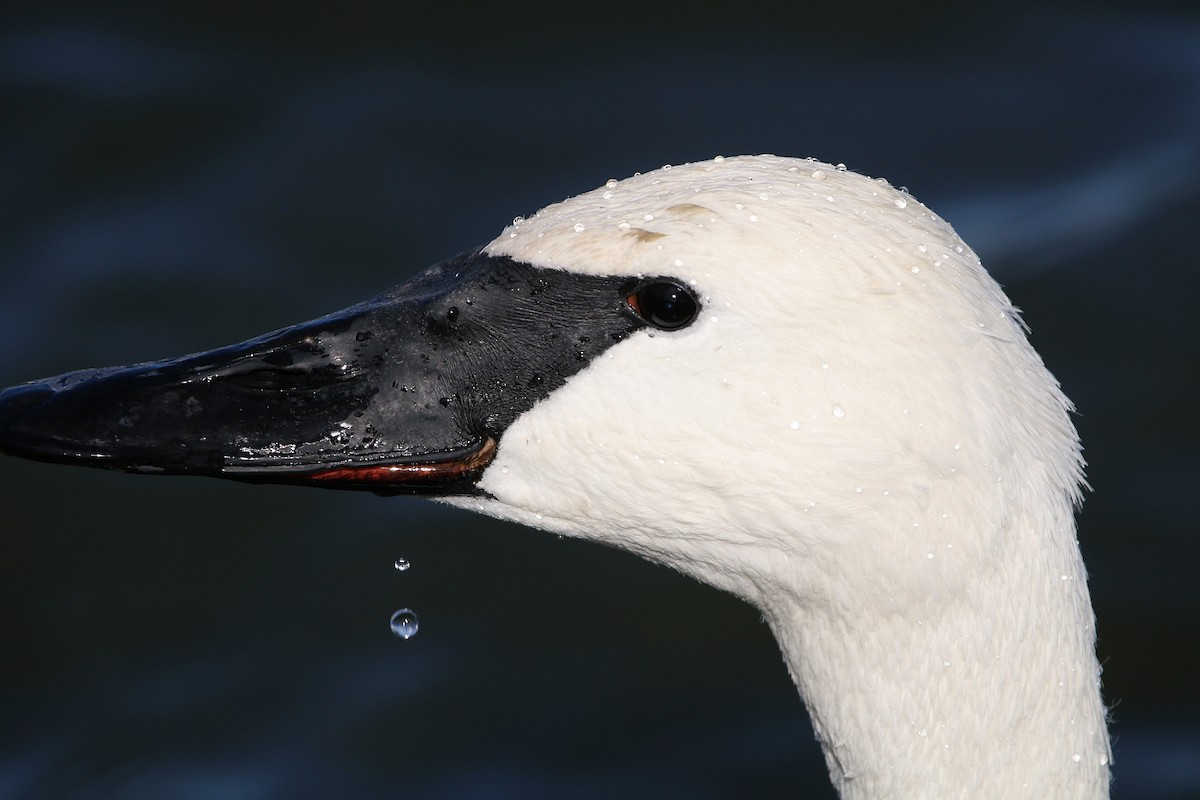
[{"x": 856, "y": 437}]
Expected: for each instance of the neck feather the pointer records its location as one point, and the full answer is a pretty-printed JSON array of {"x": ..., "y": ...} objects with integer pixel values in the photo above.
[{"x": 992, "y": 694}]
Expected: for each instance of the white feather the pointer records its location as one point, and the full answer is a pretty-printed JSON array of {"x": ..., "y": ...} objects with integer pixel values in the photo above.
[{"x": 855, "y": 436}]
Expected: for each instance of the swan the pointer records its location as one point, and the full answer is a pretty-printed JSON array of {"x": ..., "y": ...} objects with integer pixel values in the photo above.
[{"x": 787, "y": 380}]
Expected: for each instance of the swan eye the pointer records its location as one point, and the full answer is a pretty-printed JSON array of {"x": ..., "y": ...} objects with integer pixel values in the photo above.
[{"x": 665, "y": 304}]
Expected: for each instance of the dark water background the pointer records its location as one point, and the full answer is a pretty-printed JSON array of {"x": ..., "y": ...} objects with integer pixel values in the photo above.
[{"x": 175, "y": 180}]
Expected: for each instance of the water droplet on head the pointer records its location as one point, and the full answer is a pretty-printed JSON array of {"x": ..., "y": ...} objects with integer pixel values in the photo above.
[
  {"x": 900, "y": 202},
  {"x": 579, "y": 227},
  {"x": 402, "y": 564},
  {"x": 838, "y": 411},
  {"x": 405, "y": 623}
]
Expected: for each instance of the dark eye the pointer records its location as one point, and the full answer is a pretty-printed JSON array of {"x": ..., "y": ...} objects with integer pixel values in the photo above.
[{"x": 664, "y": 303}]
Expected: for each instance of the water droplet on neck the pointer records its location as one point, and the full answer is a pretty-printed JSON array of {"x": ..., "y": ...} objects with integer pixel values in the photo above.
[
  {"x": 405, "y": 623},
  {"x": 402, "y": 564}
]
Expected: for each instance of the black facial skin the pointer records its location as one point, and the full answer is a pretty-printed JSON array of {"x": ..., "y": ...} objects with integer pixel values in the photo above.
[{"x": 407, "y": 393}]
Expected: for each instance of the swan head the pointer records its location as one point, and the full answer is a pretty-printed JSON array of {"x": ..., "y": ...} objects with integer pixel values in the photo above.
[
  {"x": 790, "y": 381},
  {"x": 845, "y": 394}
]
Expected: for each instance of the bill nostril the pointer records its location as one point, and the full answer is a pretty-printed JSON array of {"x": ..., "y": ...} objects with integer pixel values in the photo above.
[{"x": 270, "y": 379}]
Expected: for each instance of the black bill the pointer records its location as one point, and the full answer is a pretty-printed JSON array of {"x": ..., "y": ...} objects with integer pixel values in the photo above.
[{"x": 407, "y": 393}]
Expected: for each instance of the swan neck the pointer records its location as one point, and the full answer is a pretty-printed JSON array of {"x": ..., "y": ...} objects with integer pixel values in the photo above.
[{"x": 991, "y": 694}]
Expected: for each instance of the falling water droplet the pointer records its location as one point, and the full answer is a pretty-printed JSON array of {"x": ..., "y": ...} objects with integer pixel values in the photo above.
[
  {"x": 405, "y": 623},
  {"x": 402, "y": 564}
]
